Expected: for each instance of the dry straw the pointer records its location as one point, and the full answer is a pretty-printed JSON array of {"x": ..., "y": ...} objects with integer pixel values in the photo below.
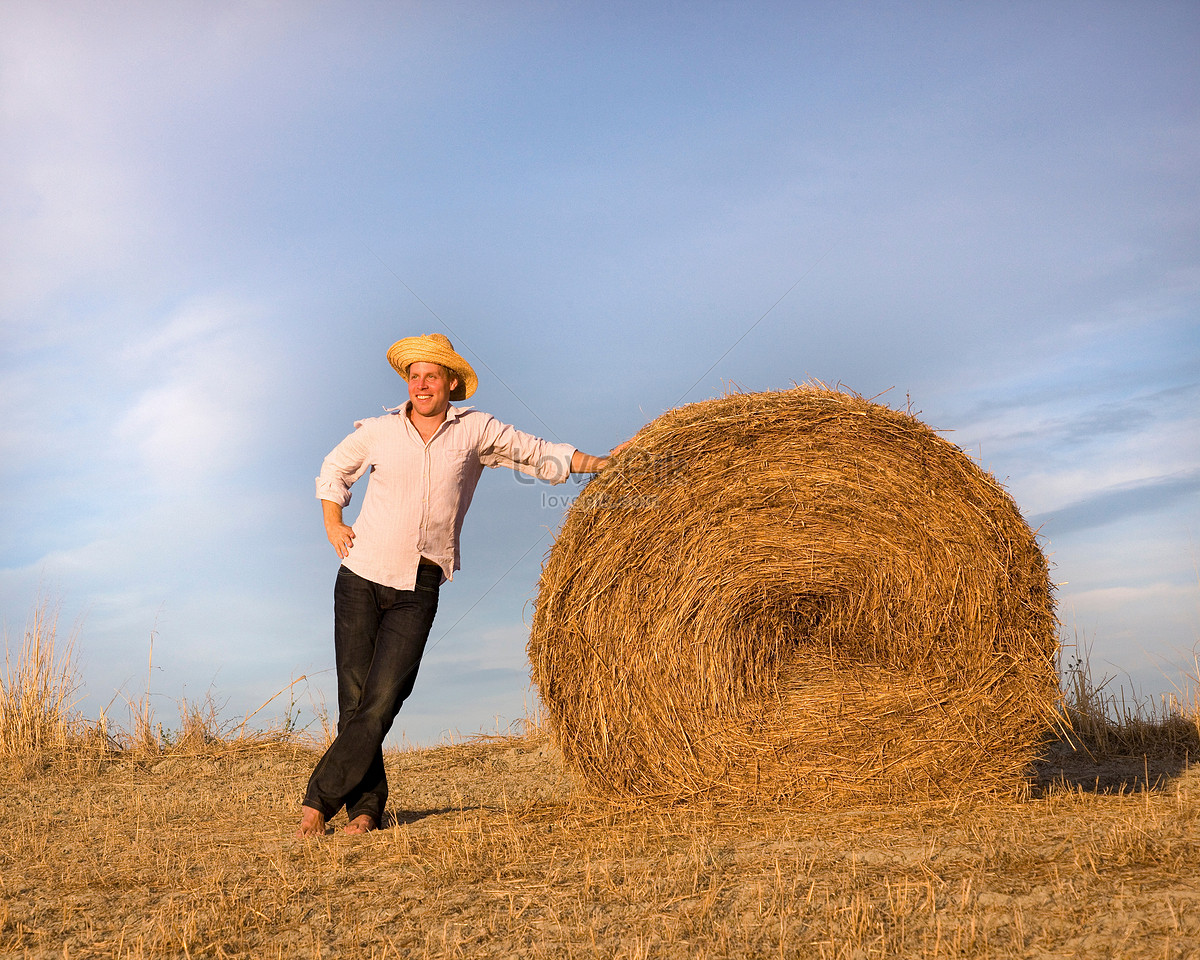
[{"x": 795, "y": 595}]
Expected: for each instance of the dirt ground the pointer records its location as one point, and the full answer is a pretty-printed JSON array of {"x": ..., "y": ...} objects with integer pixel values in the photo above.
[{"x": 489, "y": 852}]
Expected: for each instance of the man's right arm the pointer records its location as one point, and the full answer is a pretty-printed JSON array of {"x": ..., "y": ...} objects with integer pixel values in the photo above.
[
  {"x": 346, "y": 463},
  {"x": 340, "y": 535}
]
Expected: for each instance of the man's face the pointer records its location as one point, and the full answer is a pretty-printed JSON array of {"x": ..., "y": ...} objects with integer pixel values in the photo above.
[{"x": 429, "y": 387}]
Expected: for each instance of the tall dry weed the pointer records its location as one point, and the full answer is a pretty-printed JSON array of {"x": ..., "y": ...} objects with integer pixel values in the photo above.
[
  {"x": 1107, "y": 722},
  {"x": 37, "y": 691}
]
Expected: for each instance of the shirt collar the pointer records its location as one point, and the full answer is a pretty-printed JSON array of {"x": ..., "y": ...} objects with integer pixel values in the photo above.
[{"x": 452, "y": 413}]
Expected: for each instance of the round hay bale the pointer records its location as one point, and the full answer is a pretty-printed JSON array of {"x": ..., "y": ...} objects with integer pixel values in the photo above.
[{"x": 795, "y": 594}]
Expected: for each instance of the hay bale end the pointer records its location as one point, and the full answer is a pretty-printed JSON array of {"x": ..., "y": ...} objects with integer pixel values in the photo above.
[{"x": 795, "y": 595}]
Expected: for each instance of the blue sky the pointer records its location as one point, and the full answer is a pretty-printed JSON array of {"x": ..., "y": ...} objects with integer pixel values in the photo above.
[{"x": 215, "y": 218}]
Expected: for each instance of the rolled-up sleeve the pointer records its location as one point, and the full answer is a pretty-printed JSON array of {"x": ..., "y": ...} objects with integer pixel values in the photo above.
[
  {"x": 506, "y": 446},
  {"x": 346, "y": 462}
]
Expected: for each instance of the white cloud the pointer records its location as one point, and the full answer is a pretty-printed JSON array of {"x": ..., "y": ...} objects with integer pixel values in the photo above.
[
  {"x": 1109, "y": 600},
  {"x": 1088, "y": 417},
  {"x": 209, "y": 375}
]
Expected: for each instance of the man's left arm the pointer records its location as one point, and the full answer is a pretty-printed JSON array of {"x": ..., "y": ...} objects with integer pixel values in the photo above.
[
  {"x": 585, "y": 463},
  {"x": 504, "y": 445}
]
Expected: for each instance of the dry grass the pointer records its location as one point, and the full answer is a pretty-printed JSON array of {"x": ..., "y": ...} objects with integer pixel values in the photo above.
[
  {"x": 799, "y": 594},
  {"x": 182, "y": 848},
  {"x": 39, "y": 721},
  {"x": 1105, "y": 722},
  {"x": 37, "y": 689},
  {"x": 491, "y": 854}
]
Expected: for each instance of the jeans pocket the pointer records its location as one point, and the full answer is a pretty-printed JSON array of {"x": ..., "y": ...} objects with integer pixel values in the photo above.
[{"x": 429, "y": 579}]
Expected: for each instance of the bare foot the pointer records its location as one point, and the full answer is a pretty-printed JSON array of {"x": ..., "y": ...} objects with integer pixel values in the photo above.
[
  {"x": 312, "y": 824},
  {"x": 363, "y": 823}
]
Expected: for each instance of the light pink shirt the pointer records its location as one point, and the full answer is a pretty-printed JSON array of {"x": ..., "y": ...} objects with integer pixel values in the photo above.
[{"x": 418, "y": 493}]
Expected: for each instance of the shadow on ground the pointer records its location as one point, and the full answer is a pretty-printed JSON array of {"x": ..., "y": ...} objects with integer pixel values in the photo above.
[
  {"x": 399, "y": 818},
  {"x": 1074, "y": 766}
]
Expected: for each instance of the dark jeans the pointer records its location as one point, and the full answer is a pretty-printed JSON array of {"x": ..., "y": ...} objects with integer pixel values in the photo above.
[{"x": 379, "y": 637}]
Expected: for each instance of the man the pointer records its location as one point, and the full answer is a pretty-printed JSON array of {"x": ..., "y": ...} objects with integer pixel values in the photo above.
[{"x": 424, "y": 460}]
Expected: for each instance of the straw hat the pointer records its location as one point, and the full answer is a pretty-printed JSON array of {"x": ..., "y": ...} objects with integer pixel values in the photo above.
[{"x": 433, "y": 348}]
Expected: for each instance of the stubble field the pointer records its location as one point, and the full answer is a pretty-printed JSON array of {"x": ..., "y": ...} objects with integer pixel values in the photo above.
[{"x": 490, "y": 852}]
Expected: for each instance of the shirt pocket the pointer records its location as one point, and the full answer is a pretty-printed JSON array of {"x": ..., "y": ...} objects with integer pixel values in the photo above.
[{"x": 457, "y": 461}]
